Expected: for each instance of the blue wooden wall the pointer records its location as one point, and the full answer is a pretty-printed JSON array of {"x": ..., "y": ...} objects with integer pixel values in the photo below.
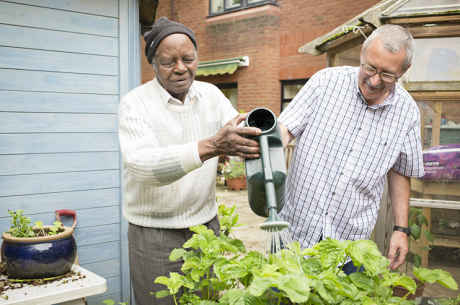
[{"x": 59, "y": 92}]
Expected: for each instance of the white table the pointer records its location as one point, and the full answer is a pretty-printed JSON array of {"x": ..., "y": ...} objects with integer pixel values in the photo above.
[{"x": 71, "y": 293}]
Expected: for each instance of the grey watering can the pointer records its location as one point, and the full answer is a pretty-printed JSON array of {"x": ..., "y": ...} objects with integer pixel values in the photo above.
[{"x": 266, "y": 175}]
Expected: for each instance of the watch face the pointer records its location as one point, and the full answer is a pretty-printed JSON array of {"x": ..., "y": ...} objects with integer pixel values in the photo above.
[{"x": 408, "y": 230}]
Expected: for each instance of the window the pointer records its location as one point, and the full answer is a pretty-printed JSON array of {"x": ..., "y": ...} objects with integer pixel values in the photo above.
[
  {"x": 217, "y": 7},
  {"x": 289, "y": 90},
  {"x": 230, "y": 90}
]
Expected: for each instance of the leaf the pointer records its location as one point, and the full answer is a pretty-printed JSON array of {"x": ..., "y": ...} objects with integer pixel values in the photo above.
[
  {"x": 415, "y": 231},
  {"x": 422, "y": 220},
  {"x": 331, "y": 252},
  {"x": 176, "y": 254},
  {"x": 437, "y": 275},
  {"x": 238, "y": 297},
  {"x": 417, "y": 260},
  {"x": 394, "y": 279},
  {"x": 362, "y": 280},
  {"x": 162, "y": 280},
  {"x": 190, "y": 263},
  {"x": 200, "y": 229},
  {"x": 162, "y": 293},
  {"x": 428, "y": 235},
  {"x": 365, "y": 252},
  {"x": 39, "y": 224},
  {"x": 312, "y": 266},
  {"x": 260, "y": 285},
  {"x": 207, "y": 302},
  {"x": 109, "y": 302},
  {"x": 296, "y": 287}
]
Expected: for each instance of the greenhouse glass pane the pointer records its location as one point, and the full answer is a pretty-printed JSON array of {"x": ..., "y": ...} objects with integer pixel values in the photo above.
[
  {"x": 427, "y": 7},
  {"x": 436, "y": 59}
]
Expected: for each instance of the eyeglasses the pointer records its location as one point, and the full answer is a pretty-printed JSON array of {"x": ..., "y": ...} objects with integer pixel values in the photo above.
[{"x": 386, "y": 77}]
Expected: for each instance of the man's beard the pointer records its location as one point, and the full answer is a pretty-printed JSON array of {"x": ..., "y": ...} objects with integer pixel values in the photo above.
[{"x": 371, "y": 88}]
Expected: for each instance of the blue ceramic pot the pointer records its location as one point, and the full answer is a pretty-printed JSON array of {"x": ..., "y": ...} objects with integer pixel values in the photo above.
[{"x": 39, "y": 257}]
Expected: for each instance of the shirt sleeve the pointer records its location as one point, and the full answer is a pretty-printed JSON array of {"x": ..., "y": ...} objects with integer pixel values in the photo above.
[
  {"x": 410, "y": 159},
  {"x": 296, "y": 116},
  {"x": 144, "y": 158}
]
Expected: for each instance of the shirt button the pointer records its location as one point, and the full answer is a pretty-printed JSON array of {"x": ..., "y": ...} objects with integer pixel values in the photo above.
[
  {"x": 359, "y": 128},
  {"x": 351, "y": 150},
  {"x": 333, "y": 193},
  {"x": 385, "y": 144},
  {"x": 341, "y": 173},
  {"x": 326, "y": 214}
]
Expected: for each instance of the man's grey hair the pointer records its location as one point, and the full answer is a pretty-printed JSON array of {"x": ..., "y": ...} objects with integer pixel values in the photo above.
[
  {"x": 156, "y": 53},
  {"x": 394, "y": 38}
]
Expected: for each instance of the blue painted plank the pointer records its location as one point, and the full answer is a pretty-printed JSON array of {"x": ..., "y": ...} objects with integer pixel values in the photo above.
[
  {"x": 98, "y": 300},
  {"x": 22, "y": 80},
  {"x": 13, "y": 122},
  {"x": 51, "y": 61},
  {"x": 21, "y": 37},
  {"x": 105, "y": 269},
  {"x": 99, "y": 252},
  {"x": 57, "y": 142},
  {"x": 57, "y": 163},
  {"x": 99, "y": 7},
  {"x": 48, "y": 203},
  {"x": 23, "y": 101},
  {"x": 49, "y": 183},
  {"x": 86, "y": 218},
  {"x": 45, "y": 18},
  {"x": 96, "y": 235}
]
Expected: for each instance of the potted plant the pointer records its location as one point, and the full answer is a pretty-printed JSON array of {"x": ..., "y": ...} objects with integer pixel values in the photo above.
[
  {"x": 234, "y": 173},
  {"x": 250, "y": 278},
  {"x": 416, "y": 222},
  {"x": 37, "y": 252}
]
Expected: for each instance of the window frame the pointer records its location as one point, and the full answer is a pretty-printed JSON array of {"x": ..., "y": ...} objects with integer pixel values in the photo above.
[
  {"x": 302, "y": 81},
  {"x": 244, "y": 5}
]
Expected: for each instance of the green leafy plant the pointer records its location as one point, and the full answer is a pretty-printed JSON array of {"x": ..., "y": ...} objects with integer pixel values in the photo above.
[
  {"x": 21, "y": 228},
  {"x": 227, "y": 220},
  {"x": 233, "y": 169},
  {"x": 20, "y": 224},
  {"x": 257, "y": 278},
  {"x": 416, "y": 222}
]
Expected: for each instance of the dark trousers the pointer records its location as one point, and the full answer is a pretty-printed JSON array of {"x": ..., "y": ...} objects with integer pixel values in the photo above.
[{"x": 149, "y": 250}]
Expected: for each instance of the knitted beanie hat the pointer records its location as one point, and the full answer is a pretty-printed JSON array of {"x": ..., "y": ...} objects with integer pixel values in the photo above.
[{"x": 160, "y": 30}]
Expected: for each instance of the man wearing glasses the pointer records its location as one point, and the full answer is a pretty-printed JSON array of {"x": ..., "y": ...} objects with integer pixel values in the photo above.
[{"x": 354, "y": 127}]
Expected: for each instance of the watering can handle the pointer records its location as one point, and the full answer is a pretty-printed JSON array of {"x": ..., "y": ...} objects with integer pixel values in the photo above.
[{"x": 72, "y": 213}]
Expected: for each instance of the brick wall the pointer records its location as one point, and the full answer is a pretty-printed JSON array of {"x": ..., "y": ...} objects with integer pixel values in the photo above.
[{"x": 270, "y": 35}]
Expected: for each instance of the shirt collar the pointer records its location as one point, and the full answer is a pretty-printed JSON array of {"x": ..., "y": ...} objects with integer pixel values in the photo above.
[
  {"x": 390, "y": 100},
  {"x": 168, "y": 98}
]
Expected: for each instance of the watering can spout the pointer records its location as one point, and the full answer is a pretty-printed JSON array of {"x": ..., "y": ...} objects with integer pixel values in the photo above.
[{"x": 266, "y": 175}]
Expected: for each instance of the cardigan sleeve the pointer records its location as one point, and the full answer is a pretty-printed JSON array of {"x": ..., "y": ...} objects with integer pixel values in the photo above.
[{"x": 144, "y": 158}]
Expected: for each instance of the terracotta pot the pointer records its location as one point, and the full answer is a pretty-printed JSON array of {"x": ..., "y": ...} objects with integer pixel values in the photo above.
[
  {"x": 236, "y": 184},
  {"x": 399, "y": 291},
  {"x": 39, "y": 257}
]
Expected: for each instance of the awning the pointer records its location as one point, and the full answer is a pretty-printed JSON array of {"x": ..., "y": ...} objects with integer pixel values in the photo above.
[
  {"x": 367, "y": 19},
  {"x": 221, "y": 66}
]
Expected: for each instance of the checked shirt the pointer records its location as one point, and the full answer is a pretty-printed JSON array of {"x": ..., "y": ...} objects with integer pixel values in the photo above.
[{"x": 344, "y": 148}]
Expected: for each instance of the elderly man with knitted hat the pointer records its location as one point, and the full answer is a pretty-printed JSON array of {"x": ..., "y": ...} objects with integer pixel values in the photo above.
[{"x": 171, "y": 130}]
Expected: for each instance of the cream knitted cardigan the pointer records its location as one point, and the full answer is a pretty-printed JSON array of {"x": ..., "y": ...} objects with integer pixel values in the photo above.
[{"x": 164, "y": 187}]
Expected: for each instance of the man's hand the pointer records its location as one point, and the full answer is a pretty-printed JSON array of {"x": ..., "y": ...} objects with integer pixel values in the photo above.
[
  {"x": 229, "y": 140},
  {"x": 398, "y": 249}
]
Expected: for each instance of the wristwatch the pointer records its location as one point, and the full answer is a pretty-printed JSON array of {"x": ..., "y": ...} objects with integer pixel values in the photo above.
[{"x": 402, "y": 229}]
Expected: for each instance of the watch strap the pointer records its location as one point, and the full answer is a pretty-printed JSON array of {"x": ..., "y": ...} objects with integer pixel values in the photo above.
[{"x": 402, "y": 229}]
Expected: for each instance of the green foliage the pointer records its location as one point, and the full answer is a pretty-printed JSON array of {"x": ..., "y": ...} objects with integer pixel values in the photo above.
[
  {"x": 21, "y": 228},
  {"x": 416, "y": 222},
  {"x": 250, "y": 278},
  {"x": 20, "y": 224},
  {"x": 54, "y": 229},
  {"x": 233, "y": 169},
  {"x": 227, "y": 220}
]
